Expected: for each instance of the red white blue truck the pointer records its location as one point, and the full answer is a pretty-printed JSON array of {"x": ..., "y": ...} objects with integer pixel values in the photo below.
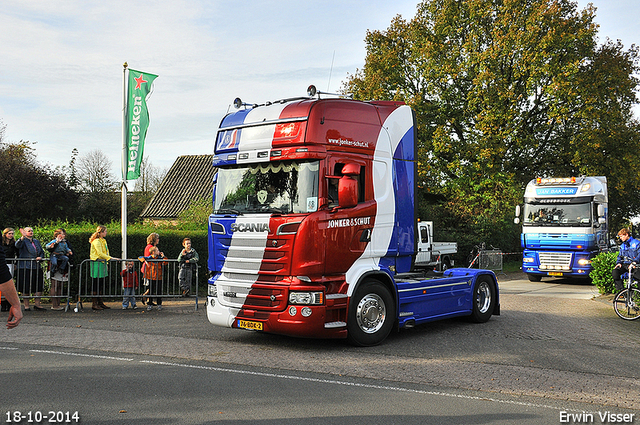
[
  {"x": 313, "y": 232},
  {"x": 564, "y": 225}
]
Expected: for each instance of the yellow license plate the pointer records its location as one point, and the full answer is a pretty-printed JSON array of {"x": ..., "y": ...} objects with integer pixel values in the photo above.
[
  {"x": 247, "y": 324},
  {"x": 556, "y": 274}
]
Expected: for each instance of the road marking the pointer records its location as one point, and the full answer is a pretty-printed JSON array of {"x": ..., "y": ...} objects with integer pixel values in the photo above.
[{"x": 302, "y": 378}]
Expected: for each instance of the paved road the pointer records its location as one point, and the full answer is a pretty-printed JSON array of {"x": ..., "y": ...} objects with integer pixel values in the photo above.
[
  {"x": 552, "y": 342},
  {"x": 158, "y": 390}
]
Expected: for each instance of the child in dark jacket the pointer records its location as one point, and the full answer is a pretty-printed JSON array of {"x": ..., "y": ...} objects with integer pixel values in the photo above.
[
  {"x": 129, "y": 286},
  {"x": 187, "y": 259}
]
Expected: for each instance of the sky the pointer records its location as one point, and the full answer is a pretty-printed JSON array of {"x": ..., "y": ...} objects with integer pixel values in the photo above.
[{"x": 61, "y": 64}]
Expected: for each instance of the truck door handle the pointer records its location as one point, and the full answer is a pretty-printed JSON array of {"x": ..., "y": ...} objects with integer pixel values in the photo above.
[{"x": 366, "y": 235}]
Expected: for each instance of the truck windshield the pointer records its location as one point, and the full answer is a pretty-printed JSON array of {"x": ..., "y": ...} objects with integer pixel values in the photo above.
[
  {"x": 275, "y": 187},
  {"x": 557, "y": 215}
]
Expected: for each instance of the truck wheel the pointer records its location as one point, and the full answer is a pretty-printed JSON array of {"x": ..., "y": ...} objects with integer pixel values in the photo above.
[
  {"x": 371, "y": 314},
  {"x": 534, "y": 277},
  {"x": 484, "y": 300}
]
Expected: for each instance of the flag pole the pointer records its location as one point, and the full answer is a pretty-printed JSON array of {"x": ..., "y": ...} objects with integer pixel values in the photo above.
[{"x": 123, "y": 191}]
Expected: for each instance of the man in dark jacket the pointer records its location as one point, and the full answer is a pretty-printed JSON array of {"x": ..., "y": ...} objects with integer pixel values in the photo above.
[{"x": 628, "y": 258}]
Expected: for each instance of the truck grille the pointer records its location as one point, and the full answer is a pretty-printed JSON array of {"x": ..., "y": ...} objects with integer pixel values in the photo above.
[
  {"x": 553, "y": 259},
  {"x": 241, "y": 291}
]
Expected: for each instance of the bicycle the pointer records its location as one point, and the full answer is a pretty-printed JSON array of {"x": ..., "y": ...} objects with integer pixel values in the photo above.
[
  {"x": 627, "y": 302},
  {"x": 474, "y": 255}
]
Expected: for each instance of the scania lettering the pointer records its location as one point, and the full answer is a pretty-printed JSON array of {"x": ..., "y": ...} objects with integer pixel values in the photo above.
[
  {"x": 564, "y": 225},
  {"x": 313, "y": 231}
]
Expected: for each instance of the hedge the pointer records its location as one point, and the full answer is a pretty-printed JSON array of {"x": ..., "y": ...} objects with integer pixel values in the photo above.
[
  {"x": 170, "y": 241},
  {"x": 601, "y": 276}
]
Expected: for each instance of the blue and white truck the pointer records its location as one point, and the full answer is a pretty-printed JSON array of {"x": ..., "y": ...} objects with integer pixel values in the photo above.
[{"x": 564, "y": 225}]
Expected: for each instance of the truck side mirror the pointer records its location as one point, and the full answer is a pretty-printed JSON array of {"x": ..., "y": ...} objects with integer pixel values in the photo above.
[
  {"x": 347, "y": 192},
  {"x": 600, "y": 210},
  {"x": 516, "y": 220},
  {"x": 517, "y": 211}
]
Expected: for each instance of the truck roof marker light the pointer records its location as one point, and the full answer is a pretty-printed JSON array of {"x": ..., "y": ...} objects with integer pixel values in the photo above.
[
  {"x": 231, "y": 157},
  {"x": 263, "y": 154},
  {"x": 302, "y": 150},
  {"x": 276, "y": 153},
  {"x": 243, "y": 156}
]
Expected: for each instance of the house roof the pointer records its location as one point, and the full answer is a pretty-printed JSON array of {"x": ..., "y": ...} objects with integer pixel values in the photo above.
[{"x": 189, "y": 178}]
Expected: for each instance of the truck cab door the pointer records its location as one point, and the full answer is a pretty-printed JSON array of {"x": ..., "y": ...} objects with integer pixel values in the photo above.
[{"x": 424, "y": 243}]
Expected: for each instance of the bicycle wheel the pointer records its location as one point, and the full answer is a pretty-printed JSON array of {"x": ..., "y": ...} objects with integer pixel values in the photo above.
[{"x": 627, "y": 309}]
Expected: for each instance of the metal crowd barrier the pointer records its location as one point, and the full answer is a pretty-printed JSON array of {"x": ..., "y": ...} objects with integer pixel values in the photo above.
[
  {"x": 27, "y": 272},
  {"x": 101, "y": 279},
  {"x": 491, "y": 259}
]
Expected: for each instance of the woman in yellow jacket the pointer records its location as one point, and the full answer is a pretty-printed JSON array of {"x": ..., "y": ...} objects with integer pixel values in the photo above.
[{"x": 99, "y": 256}]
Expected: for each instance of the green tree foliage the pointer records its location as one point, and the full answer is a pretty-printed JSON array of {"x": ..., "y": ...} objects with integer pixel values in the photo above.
[
  {"x": 505, "y": 91},
  {"x": 30, "y": 192},
  {"x": 197, "y": 215}
]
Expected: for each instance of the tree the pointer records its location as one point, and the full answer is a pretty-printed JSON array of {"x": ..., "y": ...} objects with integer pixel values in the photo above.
[
  {"x": 150, "y": 177},
  {"x": 505, "y": 91},
  {"x": 94, "y": 173},
  {"x": 100, "y": 196},
  {"x": 29, "y": 191}
]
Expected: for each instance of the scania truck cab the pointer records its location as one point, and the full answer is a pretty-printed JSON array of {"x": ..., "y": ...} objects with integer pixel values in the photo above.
[{"x": 313, "y": 228}]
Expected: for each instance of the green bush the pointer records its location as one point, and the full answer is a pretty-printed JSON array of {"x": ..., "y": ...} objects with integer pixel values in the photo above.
[{"x": 603, "y": 264}]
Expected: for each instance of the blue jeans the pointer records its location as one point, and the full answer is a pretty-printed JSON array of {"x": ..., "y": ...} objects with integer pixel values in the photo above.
[
  {"x": 59, "y": 261},
  {"x": 129, "y": 296}
]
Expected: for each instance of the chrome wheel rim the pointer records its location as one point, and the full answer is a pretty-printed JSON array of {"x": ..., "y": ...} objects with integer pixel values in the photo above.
[
  {"x": 371, "y": 313},
  {"x": 483, "y": 297}
]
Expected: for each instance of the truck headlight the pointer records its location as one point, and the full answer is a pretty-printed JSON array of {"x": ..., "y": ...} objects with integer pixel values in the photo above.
[
  {"x": 213, "y": 291},
  {"x": 584, "y": 262},
  {"x": 527, "y": 260},
  {"x": 306, "y": 298}
]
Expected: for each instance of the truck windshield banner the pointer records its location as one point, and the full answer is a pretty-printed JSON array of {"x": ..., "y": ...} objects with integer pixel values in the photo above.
[{"x": 555, "y": 191}]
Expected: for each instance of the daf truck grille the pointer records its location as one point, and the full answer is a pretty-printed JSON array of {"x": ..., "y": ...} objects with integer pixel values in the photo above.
[{"x": 553, "y": 260}]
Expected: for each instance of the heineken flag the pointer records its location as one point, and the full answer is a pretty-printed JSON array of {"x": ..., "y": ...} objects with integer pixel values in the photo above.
[{"x": 139, "y": 88}]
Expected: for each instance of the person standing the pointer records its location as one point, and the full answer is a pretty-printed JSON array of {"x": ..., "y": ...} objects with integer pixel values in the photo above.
[
  {"x": 30, "y": 276},
  {"x": 129, "y": 286},
  {"x": 10, "y": 252},
  {"x": 59, "y": 274},
  {"x": 99, "y": 255},
  {"x": 152, "y": 241},
  {"x": 187, "y": 260},
  {"x": 628, "y": 258},
  {"x": 153, "y": 273},
  {"x": 8, "y": 291}
]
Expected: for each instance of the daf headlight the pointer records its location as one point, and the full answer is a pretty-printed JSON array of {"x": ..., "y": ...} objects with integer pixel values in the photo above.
[
  {"x": 213, "y": 291},
  {"x": 584, "y": 262},
  {"x": 306, "y": 298},
  {"x": 527, "y": 260}
]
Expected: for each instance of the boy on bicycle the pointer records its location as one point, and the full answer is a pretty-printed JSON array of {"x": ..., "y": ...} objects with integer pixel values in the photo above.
[{"x": 629, "y": 253}]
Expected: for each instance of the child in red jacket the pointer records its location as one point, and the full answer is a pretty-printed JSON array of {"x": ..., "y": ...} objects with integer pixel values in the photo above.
[{"x": 129, "y": 286}]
